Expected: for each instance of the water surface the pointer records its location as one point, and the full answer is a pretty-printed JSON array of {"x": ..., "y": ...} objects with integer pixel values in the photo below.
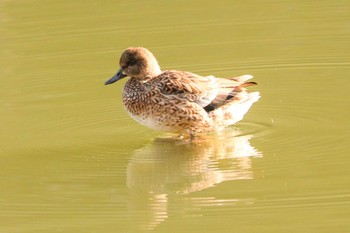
[{"x": 73, "y": 161}]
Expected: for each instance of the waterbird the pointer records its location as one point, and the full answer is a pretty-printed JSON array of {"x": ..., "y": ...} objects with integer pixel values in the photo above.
[{"x": 178, "y": 101}]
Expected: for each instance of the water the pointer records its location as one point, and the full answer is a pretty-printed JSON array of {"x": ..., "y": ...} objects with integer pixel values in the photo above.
[{"x": 73, "y": 161}]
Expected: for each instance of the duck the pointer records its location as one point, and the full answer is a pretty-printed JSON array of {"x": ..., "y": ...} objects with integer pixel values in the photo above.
[{"x": 180, "y": 102}]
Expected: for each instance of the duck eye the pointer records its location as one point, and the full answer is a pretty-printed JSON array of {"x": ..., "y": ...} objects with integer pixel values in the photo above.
[{"x": 132, "y": 62}]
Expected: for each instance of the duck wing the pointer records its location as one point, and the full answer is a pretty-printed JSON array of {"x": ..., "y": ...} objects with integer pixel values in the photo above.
[{"x": 209, "y": 92}]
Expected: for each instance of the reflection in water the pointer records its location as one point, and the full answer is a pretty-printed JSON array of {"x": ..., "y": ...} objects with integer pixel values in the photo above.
[{"x": 169, "y": 166}]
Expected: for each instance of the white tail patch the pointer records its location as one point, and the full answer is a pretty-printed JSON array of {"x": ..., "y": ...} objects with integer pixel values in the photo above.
[
  {"x": 243, "y": 78},
  {"x": 233, "y": 112}
]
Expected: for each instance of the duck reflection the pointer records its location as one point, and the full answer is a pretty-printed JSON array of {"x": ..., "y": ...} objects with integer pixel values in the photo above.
[{"x": 170, "y": 166}]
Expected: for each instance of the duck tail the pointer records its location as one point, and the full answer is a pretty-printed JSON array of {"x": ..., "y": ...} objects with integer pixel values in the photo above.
[{"x": 234, "y": 110}]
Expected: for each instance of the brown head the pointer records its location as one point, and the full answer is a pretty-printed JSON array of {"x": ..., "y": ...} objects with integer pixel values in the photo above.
[{"x": 136, "y": 62}]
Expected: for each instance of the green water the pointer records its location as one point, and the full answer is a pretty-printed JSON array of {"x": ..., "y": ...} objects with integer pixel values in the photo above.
[{"x": 72, "y": 160}]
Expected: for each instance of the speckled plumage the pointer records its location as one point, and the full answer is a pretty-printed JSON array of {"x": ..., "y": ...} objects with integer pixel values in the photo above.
[{"x": 178, "y": 101}]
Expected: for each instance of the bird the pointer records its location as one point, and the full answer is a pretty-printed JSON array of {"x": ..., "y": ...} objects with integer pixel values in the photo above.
[{"x": 178, "y": 101}]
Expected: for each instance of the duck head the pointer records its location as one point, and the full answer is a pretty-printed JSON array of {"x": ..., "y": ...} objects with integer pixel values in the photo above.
[{"x": 136, "y": 62}]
